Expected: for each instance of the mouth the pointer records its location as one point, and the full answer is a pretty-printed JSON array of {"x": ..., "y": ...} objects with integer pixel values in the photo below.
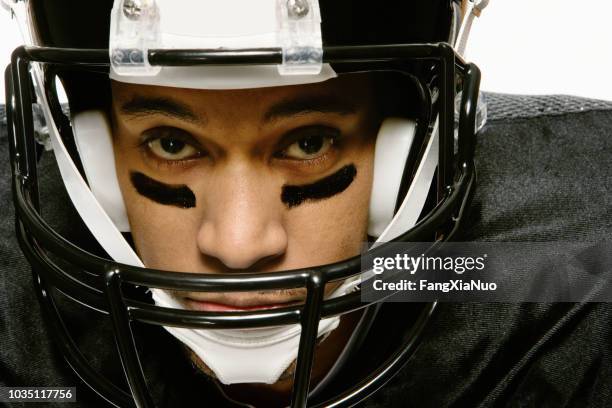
[
  {"x": 244, "y": 301},
  {"x": 209, "y": 306}
]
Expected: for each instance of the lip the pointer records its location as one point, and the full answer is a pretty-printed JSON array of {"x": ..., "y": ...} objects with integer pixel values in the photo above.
[{"x": 207, "y": 306}]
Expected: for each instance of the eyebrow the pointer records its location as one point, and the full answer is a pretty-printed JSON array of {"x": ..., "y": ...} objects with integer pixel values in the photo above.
[
  {"x": 140, "y": 106},
  {"x": 309, "y": 104}
]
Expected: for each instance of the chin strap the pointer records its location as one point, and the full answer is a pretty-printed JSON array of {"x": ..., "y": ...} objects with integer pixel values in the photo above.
[
  {"x": 258, "y": 355},
  {"x": 393, "y": 144},
  {"x": 85, "y": 202},
  {"x": 414, "y": 202},
  {"x": 473, "y": 10}
]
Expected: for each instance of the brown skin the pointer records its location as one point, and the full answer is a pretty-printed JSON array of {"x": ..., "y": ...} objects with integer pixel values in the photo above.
[{"x": 236, "y": 163}]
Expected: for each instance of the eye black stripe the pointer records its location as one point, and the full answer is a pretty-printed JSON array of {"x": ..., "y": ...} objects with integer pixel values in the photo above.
[
  {"x": 167, "y": 194},
  {"x": 292, "y": 196}
]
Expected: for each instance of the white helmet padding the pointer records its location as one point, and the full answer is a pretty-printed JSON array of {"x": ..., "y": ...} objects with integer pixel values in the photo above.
[
  {"x": 393, "y": 144},
  {"x": 93, "y": 139},
  {"x": 413, "y": 203}
]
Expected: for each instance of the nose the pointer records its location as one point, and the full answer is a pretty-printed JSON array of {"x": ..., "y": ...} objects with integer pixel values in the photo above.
[{"x": 242, "y": 224}]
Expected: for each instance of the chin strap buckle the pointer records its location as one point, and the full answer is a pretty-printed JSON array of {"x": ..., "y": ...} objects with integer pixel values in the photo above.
[
  {"x": 299, "y": 35},
  {"x": 134, "y": 29}
]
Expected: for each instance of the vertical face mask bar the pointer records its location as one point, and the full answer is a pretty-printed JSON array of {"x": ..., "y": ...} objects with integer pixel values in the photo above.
[
  {"x": 447, "y": 110},
  {"x": 386, "y": 371},
  {"x": 10, "y": 102},
  {"x": 24, "y": 124},
  {"x": 75, "y": 359},
  {"x": 467, "y": 114},
  {"x": 308, "y": 339},
  {"x": 126, "y": 346}
]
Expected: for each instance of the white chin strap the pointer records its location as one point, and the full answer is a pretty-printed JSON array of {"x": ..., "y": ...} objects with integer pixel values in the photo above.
[{"x": 259, "y": 355}]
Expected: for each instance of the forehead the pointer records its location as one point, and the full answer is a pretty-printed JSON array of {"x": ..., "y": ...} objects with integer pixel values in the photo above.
[{"x": 348, "y": 90}]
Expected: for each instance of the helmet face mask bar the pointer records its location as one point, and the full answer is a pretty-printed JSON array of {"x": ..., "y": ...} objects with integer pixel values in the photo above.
[{"x": 105, "y": 285}]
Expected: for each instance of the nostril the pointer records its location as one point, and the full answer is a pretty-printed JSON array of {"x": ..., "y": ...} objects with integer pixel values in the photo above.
[{"x": 243, "y": 248}]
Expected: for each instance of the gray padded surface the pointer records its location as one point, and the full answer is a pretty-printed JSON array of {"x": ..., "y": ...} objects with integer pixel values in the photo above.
[{"x": 505, "y": 106}]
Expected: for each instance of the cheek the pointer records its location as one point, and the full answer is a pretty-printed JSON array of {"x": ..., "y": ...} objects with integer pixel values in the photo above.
[
  {"x": 335, "y": 229},
  {"x": 160, "y": 232},
  {"x": 164, "y": 236}
]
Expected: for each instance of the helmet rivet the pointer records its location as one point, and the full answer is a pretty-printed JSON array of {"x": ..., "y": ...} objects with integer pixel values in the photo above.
[
  {"x": 297, "y": 9},
  {"x": 136, "y": 57},
  {"x": 133, "y": 9},
  {"x": 118, "y": 56}
]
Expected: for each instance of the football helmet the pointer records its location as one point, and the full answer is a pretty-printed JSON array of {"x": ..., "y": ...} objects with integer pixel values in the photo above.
[{"x": 424, "y": 171}]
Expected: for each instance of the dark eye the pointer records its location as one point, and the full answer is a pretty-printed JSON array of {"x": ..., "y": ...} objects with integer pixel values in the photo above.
[
  {"x": 170, "y": 144},
  {"x": 313, "y": 144}
]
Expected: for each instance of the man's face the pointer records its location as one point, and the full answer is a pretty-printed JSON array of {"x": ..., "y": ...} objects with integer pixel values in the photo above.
[
  {"x": 253, "y": 180},
  {"x": 266, "y": 179}
]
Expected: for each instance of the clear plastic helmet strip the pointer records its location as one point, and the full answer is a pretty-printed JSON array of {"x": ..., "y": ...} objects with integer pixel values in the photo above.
[{"x": 236, "y": 355}]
